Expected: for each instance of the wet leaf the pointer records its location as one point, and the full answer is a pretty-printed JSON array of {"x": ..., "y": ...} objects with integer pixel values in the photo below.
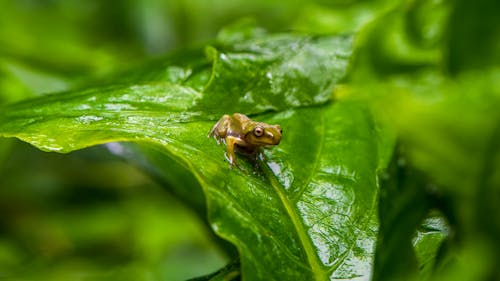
[{"x": 309, "y": 213}]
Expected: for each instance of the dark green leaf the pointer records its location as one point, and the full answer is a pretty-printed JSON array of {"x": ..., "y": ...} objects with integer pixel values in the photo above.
[
  {"x": 310, "y": 214},
  {"x": 449, "y": 129},
  {"x": 262, "y": 74},
  {"x": 428, "y": 241},
  {"x": 231, "y": 272},
  {"x": 474, "y": 36},
  {"x": 315, "y": 206},
  {"x": 407, "y": 245}
]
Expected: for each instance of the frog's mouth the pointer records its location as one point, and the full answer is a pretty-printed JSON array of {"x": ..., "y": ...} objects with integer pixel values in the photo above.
[
  {"x": 272, "y": 139},
  {"x": 270, "y": 142}
]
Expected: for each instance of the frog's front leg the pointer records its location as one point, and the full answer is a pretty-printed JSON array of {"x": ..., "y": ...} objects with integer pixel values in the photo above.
[{"x": 230, "y": 143}]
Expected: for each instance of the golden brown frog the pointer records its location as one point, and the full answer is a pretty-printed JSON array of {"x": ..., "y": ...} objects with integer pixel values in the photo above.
[{"x": 244, "y": 135}]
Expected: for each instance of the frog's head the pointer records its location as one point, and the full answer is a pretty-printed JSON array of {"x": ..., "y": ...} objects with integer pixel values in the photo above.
[{"x": 264, "y": 134}]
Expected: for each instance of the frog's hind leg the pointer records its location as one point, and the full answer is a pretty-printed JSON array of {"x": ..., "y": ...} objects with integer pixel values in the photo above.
[{"x": 219, "y": 130}]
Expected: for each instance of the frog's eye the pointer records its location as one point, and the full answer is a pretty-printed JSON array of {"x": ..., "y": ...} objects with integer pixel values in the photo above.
[{"x": 258, "y": 131}]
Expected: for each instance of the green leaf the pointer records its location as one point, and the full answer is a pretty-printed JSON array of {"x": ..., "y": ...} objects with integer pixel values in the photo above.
[
  {"x": 430, "y": 70},
  {"x": 407, "y": 244},
  {"x": 165, "y": 170},
  {"x": 454, "y": 140},
  {"x": 228, "y": 273},
  {"x": 301, "y": 74},
  {"x": 339, "y": 17},
  {"x": 428, "y": 241},
  {"x": 474, "y": 36},
  {"x": 173, "y": 175},
  {"x": 310, "y": 213},
  {"x": 449, "y": 131}
]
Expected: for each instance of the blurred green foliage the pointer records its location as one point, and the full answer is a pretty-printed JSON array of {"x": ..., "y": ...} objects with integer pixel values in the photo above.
[{"x": 425, "y": 72}]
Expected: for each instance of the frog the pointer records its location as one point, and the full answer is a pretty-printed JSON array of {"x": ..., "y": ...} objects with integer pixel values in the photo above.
[{"x": 243, "y": 135}]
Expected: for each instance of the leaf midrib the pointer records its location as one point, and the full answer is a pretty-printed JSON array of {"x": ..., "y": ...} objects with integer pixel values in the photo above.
[
  {"x": 312, "y": 258},
  {"x": 317, "y": 267}
]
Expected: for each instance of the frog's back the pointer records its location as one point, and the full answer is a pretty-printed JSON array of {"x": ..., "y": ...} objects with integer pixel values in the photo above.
[
  {"x": 244, "y": 123},
  {"x": 241, "y": 117}
]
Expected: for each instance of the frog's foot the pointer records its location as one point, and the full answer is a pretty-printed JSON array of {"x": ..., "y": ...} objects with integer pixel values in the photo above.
[
  {"x": 232, "y": 161},
  {"x": 256, "y": 165},
  {"x": 258, "y": 160}
]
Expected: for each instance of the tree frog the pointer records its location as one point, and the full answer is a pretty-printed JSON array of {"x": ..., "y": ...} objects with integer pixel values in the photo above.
[{"x": 243, "y": 135}]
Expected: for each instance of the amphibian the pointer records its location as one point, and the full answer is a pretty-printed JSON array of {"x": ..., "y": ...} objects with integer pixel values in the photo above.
[{"x": 243, "y": 135}]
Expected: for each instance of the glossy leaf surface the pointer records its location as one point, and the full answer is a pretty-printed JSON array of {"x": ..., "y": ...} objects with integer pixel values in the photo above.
[{"x": 309, "y": 213}]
